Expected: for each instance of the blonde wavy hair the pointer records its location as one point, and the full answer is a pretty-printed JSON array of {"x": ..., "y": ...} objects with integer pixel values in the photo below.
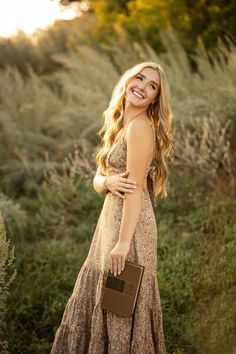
[{"x": 162, "y": 116}]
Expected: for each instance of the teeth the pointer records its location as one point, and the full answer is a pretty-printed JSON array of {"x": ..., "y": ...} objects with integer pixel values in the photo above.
[{"x": 137, "y": 94}]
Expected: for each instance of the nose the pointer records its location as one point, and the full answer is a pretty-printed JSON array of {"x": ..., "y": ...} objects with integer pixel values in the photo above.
[{"x": 140, "y": 87}]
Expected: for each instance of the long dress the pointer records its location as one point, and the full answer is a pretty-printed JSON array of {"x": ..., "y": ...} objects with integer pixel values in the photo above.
[{"x": 85, "y": 327}]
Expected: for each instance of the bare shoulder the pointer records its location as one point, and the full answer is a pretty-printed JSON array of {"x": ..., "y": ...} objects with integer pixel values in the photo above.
[{"x": 140, "y": 130}]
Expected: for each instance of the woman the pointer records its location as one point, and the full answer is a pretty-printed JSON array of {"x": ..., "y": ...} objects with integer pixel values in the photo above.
[{"x": 137, "y": 142}]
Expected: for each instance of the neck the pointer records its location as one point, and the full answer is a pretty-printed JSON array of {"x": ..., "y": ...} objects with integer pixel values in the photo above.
[{"x": 131, "y": 112}]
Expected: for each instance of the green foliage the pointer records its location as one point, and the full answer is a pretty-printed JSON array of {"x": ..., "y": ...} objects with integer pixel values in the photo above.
[
  {"x": 46, "y": 274},
  {"x": 214, "y": 312},
  {"x": 22, "y": 51},
  {"x": 64, "y": 204},
  {"x": 14, "y": 216},
  {"x": 33, "y": 102},
  {"x": 65, "y": 113},
  {"x": 7, "y": 275},
  {"x": 188, "y": 222},
  {"x": 60, "y": 123},
  {"x": 197, "y": 253},
  {"x": 179, "y": 223},
  {"x": 208, "y": 20},
  {"x": 48, "y": 127},
  {"x": 18, "y": 52},
  {"x": 204, "y": 145}
]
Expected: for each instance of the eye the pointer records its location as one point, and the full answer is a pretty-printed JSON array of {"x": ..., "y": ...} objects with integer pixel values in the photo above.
[
  {"x": 139, "y": 77},
  {"x": 153, "y": 86}
]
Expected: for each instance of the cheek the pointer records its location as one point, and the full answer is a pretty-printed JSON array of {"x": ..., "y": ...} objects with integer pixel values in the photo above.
[
  {"x": 128, "y": 87},
  {"x": 133, "y": 82},
  {"x": 151, "y": 94}
]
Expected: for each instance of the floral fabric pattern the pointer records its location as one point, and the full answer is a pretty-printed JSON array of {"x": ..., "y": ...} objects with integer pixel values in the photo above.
[{"x": 85, "y": 327}]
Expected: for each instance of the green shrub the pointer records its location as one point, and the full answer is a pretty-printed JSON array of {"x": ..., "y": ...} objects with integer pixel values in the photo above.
[
  {"x": 64, "y": 202},
  {"x": 179, "y": 224},
  {"x": 47, "y": 272},
  {"x": 7, "y": 275},
  {"x": 214, "y": 312},
  {"x": 51, "y": 208}
]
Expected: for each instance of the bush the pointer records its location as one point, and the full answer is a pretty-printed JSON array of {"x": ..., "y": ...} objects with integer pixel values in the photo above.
[
  {"x": 46, "y": 274},
  {"x": 7, "y": 275},
  {"x": 51, "y": 209}
]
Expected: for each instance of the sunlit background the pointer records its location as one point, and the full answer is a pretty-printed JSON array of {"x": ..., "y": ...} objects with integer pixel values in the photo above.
[
  {"x": 28, "y": 15},
  {"x": 57, "y": 75}
]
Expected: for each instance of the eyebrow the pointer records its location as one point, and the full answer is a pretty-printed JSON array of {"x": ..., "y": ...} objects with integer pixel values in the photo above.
[{"x": 154, "y": 82}]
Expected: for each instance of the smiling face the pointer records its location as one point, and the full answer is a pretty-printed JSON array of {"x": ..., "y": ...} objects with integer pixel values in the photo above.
[{"x": 142, "y": 89}]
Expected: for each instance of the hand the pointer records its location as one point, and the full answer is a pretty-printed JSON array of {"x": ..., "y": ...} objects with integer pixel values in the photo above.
[
  {"x": 118, "y": 256},
  {"x": 119, "y": 183}
]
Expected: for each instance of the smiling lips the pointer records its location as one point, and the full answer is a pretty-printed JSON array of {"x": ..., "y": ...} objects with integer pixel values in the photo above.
[{"x": 137, "y": 94}]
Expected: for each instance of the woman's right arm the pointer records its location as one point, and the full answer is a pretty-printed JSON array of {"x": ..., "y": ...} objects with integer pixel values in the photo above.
[{"x": 98, "y": 183}]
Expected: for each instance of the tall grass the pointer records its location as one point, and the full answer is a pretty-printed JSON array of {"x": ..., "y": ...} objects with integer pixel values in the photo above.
[
  {"x": 52, "y": 113},
  {"x": 212, "y": 324},
  {"x": 48, "y": 127},
  {"x": 21, "y": 51}
]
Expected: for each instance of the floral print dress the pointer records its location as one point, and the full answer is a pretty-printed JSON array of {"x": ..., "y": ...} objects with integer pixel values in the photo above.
[{"x": 85, "y": 327}]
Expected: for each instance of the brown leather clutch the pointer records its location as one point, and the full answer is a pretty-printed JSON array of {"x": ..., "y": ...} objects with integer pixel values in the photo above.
[{"x": 120, "y": 292}]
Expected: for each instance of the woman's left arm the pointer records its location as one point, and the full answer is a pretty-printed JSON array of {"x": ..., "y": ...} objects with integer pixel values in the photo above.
[{"x": 139, "y": 151}]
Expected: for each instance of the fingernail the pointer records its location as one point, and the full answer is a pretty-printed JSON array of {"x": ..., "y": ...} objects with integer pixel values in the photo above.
[{"x": 115, "y": 274}]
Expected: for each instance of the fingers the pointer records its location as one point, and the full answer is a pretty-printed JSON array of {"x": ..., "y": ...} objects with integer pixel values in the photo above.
[
  {"x": 116, "y": 265},
  {"x": 119, "y": 265},
  {"x": 127, "y": 185},
  {"x": 123, "y": 264},
  {"x": 119, "y": 195},
  {"x": 123, "y": 190},
  {"x": 124, "y": 173},
  {"x": 124, "y": 177},
  {"x": 124, "y": 187},
  {"x": 110, "y": 264},
  {"x": 128, "y": 181}
]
